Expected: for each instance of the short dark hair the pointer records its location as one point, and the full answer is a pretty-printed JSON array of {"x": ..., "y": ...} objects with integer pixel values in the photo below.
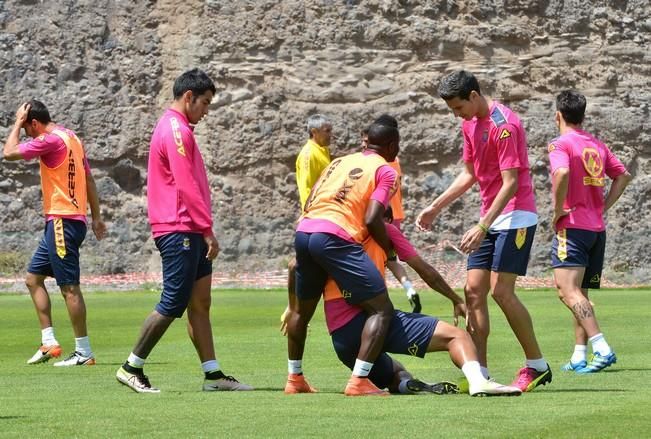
[
  {"x": 387, "y": 119},
  {"x": 458, "y": 84},
  {"x": 195, "y": 80},
  {"x": 571, "y": 104},
  {"x": 382, "y": 135},
  {"x": 38, "y": 111}
]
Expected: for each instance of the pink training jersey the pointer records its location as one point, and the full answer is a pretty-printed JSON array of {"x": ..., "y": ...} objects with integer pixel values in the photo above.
[
  {"x": 385, "y": 177},
  {"x": 51, "y": 150},
  {"x": 494, "y": 144},
  {"x": 589, "y": 161},
  {"x": 178, "y": 195},
  {"x": 337, "y": 311}
]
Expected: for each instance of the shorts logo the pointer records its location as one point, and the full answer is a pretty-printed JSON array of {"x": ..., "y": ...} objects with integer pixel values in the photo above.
[
  {"x": 520, "y": 237},
  {"x": 186, "y": 244},
  {"x": 505, "y": 134},
  {"x": 413, "y": 349},
  {"x": 59, "y": 238},
  {"x": 346, "y": 294},
  {"x": 561, "y": 251},
  {"x": 595, "y": 279},
  {"x": 594, "y": 166}
]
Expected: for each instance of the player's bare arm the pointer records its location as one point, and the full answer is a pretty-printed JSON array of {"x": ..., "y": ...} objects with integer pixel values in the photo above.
[
  {"x": 98, "y": 225},
  {"x": 473, "y": 237},
  {"x": 459, "y": 186},
  {"x": 374, "y": 219},
  {"x": 616, "y": 189},
  {"x": 213, "y": 246},
  {"x": 560, "y": 185},
  {"x": 10, "y": 151}
]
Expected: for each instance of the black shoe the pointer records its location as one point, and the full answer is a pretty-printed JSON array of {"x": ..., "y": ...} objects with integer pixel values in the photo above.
[
  {"x": 442, "y": 388},
  {"x": 414, "y": 301}
]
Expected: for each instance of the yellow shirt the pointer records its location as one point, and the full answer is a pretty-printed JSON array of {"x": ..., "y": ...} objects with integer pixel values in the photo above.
[{"x": 311, "y": 161}]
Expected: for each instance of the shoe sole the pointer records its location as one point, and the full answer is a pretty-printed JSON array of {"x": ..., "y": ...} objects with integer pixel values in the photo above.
[
  {"x": 578, "y": 371},
  {"x": 52, "y": 353},
  {"x": 90, "y": 362},
  {"x": 490, "y": 395}
]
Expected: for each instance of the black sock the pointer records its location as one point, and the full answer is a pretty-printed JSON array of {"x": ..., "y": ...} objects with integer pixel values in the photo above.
[
  {"x": 129, "y": 368},
  {"x": 214, "y": 375}
]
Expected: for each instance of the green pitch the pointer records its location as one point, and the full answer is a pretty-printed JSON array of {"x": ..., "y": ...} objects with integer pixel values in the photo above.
[{"x": 43, "y": 401}]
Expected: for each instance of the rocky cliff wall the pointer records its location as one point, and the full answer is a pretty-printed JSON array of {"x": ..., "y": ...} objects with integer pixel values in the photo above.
[{"x": 105, "y": 69}]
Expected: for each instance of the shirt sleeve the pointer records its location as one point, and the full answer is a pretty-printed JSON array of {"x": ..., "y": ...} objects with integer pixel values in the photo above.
[
  {"x": 40, "y": 146},
  {"x": 386, "y": 180},
  {"x": 613, "y": 167},
  {"x": 400, "y": 243},
  {"x": 179, "y": 146},
  {"x": 505, "y": 139},
  {"x": 467, "y": 147},
  {"x": 558, "y": 156},
  {"x": 310, "y": 168}
]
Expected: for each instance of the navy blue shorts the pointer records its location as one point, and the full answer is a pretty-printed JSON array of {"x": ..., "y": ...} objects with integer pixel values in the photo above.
[
  {"x": 320, "y": 255},
  {"x": 408, "y": 334},
  {"x": 504, "y": 251},
  {"x": 57, "y": 255},
  {"x": 580, "y": 248},
  {"x": 184, "y": 261}
]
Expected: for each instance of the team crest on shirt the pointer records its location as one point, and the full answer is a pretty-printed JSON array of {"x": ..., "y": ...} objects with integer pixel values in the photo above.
[
  {"x": 484, "y": 136},
  {"x": 41, "y": 137},
  {"x": 413, "y": 349},
  {"x": 594, "y": 166},
  {"x": 505, "y": 134},
  {"x": 551, "y": 147}
]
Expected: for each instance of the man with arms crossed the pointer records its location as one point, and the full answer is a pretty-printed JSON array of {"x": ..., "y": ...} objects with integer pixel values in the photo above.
[
  {"x": 495, "y": 156},
  {"x": 179, "y": 210},
  {"x": 67, "y": 186},
  {"x": 579, "y": 165}
]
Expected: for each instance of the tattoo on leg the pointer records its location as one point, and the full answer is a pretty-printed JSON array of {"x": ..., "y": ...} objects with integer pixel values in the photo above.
[{"x": 583, "y": 310}]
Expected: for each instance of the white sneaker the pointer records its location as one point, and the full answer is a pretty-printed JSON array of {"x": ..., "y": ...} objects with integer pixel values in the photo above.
[
  {"x": 226, "y": 383},
  {"x": 138, "y": 382},
  {"x": 491, "y": 388},
  {"x": 76, "y": 359},
  {"x": 44, "y": 353}
]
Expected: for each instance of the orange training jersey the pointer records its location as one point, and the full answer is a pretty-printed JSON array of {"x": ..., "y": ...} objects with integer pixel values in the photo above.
[
  {"x": 396, "y": 200},
  {"x": 342, "y": 193},
  {"x": 64, "y": 186}
]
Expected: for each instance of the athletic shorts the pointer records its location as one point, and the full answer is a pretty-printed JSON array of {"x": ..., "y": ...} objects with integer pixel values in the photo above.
[
  {"x": 184, "y": 262},
  {"x": 408, "y": 334},
  {"x": 504, "y": 251},
  {"x": 57, "y": 255},
  {"x": 319, "y": 255},
  {"x": 580, "y": 248}
]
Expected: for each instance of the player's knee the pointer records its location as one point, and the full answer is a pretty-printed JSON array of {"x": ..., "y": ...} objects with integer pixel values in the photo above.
[
  {"x": 33, "y": 281},
  {"x": 291, "y": 265},
  {"x": 70, "y": 291},
  {"x": 503, "y": 294}
]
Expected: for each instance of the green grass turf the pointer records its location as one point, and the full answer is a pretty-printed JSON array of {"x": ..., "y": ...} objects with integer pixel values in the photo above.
[{"x": 43, "y": 401}]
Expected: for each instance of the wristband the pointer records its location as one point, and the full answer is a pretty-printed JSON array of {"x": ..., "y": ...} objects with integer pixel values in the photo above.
[{"x": 482, "y": 227}]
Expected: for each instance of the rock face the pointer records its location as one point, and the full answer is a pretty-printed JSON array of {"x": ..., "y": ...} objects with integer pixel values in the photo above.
[{"x": 105, "y": 69}]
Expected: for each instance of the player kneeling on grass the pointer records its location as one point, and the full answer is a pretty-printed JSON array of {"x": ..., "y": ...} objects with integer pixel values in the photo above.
[{"x": 409, "y": 333}]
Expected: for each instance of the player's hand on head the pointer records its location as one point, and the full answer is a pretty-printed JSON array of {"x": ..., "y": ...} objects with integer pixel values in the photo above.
[
  {"x": 99, "y": 229},
  {"x": 213, "y": 247},
  {"x": 21, "y": 113}
]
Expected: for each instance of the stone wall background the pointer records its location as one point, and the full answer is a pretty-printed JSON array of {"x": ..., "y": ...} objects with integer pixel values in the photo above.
[{"x": 105, "y": 69}]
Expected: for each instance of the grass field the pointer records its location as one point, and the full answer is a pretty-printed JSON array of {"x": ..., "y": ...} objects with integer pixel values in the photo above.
[{"x": 43, "y": 401}]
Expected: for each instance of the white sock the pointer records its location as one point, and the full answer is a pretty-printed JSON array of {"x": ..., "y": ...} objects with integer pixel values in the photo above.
[
  {"x": 409, "y": 288},
  {"x": 579, "y": 354},
  {"x": 82, "y": 345},
  {"x": 295, "y": 366},
  {"x": 135, "y": 361},
  {"x": 473, "y": 373},
  {"x": 210, "y": 366},
  {"x": 402, "y": 388},
  {"x": 539, "y": 364},
  {"x": 599, "y": 345},
  {"x": 362, "y": 368},
  {"x": 47, "y": 337},
  {"x": 485, "y": 372}
]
